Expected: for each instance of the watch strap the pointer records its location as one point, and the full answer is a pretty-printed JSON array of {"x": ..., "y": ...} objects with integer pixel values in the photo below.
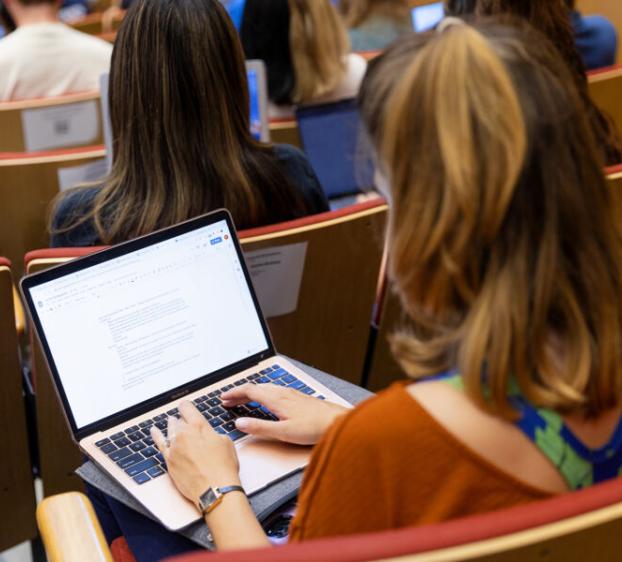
[
  {"x": 226, "y": 489},
  {"x": 213, "y": 497}
]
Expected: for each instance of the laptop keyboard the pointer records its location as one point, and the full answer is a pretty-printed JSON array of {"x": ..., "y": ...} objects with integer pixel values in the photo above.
[{"x": 134, "y": 451}]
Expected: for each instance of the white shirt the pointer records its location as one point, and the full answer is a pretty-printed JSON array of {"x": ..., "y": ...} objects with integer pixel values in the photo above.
[
  {"x": 356, "y": 66},
  {"x": 50, "y": 59}
]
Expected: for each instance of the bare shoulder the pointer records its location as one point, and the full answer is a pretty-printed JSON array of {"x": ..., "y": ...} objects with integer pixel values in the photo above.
[{"x": 496, "y": 440}]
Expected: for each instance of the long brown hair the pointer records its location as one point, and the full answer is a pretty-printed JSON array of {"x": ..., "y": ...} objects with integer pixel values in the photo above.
[
  {"x": 503, "y": 246},
  {"x": 355, "y": 12},
  {"x": 552, "y": 18},
  {"x": 179, "y": 110}
]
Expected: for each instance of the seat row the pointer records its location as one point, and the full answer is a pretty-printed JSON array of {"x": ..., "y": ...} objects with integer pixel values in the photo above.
[
  {"x": 571, "y": 527},
  {"x": 35, "y": 125}
]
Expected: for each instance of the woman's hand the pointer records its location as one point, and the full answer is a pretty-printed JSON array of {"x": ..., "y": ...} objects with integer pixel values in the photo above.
[
  {"x": 303, "y": 419},
  {"x": 196, "y": 456}
]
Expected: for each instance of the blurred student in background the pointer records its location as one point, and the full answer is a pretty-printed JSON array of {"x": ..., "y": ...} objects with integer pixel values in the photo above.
[
  {"x": 374, "y": 24},
  {"x": 44, "y": 57},
  {"x": 181, "y": 139},
  {"x": 305, "y": 46},
  {"x": 552, "y": 18},
  {"x": 596, "y": 38}
]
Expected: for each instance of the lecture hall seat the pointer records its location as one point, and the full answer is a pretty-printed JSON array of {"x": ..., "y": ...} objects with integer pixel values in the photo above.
[
  {"x": 64, "y": 110},
  {"x": 337, "y": 295},
  {"x": 572, "y": 527},
  {"x": 17, "y": 498},
  {"x": 285, "y": 131},
  {"x": 28, "y": 184},
  {"x": 605, "y": 87}
]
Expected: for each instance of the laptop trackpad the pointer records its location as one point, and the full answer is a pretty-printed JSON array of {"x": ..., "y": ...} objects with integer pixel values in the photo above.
[{"x": 263, "y": 462}]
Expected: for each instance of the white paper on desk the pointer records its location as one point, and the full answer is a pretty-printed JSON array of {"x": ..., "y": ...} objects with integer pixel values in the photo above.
[
  {"x": 277, "y": 275},
  {"x": 93, "y": 171},
  {"x": 61, "y": 126}
]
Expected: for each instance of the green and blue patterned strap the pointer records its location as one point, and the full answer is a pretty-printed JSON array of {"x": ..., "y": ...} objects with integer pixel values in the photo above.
[{"x": 579, "y": 465}]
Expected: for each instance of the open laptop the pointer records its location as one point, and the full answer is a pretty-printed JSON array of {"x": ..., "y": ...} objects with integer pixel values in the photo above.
[
  {"x": 130, "y": 332},
  {"x": 428, "y": 16},
  {"x": 334, "y": 140},
  {"x": 258, "y": 100},
  {"x": 258, "y": 94}
]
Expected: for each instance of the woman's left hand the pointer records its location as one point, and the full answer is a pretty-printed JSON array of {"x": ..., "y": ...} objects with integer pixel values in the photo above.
[{"x": 196, "y": 456}]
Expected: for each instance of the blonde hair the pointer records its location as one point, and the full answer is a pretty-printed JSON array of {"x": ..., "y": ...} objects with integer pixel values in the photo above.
[
  {"x": 319, "y": 45},
  {"x": 355, "y": 12},
  {"x": 502, "y": 244}
]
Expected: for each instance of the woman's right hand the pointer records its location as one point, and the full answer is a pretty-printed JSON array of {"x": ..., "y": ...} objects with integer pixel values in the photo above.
[{"x": 303, "y": 419}]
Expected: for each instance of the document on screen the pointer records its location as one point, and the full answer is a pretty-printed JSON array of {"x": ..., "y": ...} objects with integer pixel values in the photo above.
[{"x": 127, "y": 330}]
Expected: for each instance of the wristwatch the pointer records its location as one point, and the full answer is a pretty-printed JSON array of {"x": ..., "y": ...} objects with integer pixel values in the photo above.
[{"x": 212, "y": 498}]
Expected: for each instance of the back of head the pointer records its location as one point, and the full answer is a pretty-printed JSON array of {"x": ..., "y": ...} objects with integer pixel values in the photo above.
[
  {"x": 502, "y": 242},
  {"x": 18, "y": 11},
  {"x": 168, "y": 77},
  {"x": 548, "y": 16},
  {"x": 319, "y": 44},
  {"x": 265, "y": 35},
  {"x": 311, "y": 62},
  {"x": 552, "y": 18},
  {"x": 356, "y": 12},
  {"x": 179, "y": 109}
]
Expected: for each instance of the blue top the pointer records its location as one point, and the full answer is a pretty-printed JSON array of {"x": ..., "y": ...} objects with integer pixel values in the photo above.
[
  {"x": 294, "y": 165},
  {"x": 578, "y": 464},
  {"x": 597, "y": 40}
]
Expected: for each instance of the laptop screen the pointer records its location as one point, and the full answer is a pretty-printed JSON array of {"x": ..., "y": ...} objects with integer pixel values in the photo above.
[
  {"x": 139, "y": 325},
  {"x": 255, "y": 109},
  {"x": 334, "y": 140},
  {"x": 428, "y": 16}
]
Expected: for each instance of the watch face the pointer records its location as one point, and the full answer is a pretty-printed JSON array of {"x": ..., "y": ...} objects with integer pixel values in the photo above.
[{"x": 208, "y": 498}]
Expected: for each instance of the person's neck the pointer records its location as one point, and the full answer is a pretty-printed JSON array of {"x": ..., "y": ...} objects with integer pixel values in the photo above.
[{"x": 39, "y": 13}]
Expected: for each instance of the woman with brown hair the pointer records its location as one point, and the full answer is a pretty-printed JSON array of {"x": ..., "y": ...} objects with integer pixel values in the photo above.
[
  {"x": 504, "y": 251},
  {"x": 305, "y": 46},
  {"x": 374, "y": 24},
  {"x": 552, "y": 18},
  {"x": 181, "y": 139}
]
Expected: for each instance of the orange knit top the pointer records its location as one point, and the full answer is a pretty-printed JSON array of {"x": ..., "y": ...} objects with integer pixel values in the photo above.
[{"x": 389, "y": 464}]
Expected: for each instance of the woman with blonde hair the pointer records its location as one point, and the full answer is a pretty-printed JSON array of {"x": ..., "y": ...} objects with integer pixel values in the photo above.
[
  {"x": 306, "y": 49},
  {"x": 504, "y": 251},
  {"x": 374, "y": 24}
]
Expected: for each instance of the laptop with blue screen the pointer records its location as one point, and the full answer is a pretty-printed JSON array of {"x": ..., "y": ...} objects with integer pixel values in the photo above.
[
  {"x": 337, "y": 146},
  {"x": 258, "y": 94},
  {"x": 130, "y": 332},
  {"x": 428, "y": 16}
]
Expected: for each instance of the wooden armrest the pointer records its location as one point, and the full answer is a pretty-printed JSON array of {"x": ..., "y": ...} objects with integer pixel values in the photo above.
[
  {"x": 70, "y": 530},
  {"x": 20, "y": 320}
]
